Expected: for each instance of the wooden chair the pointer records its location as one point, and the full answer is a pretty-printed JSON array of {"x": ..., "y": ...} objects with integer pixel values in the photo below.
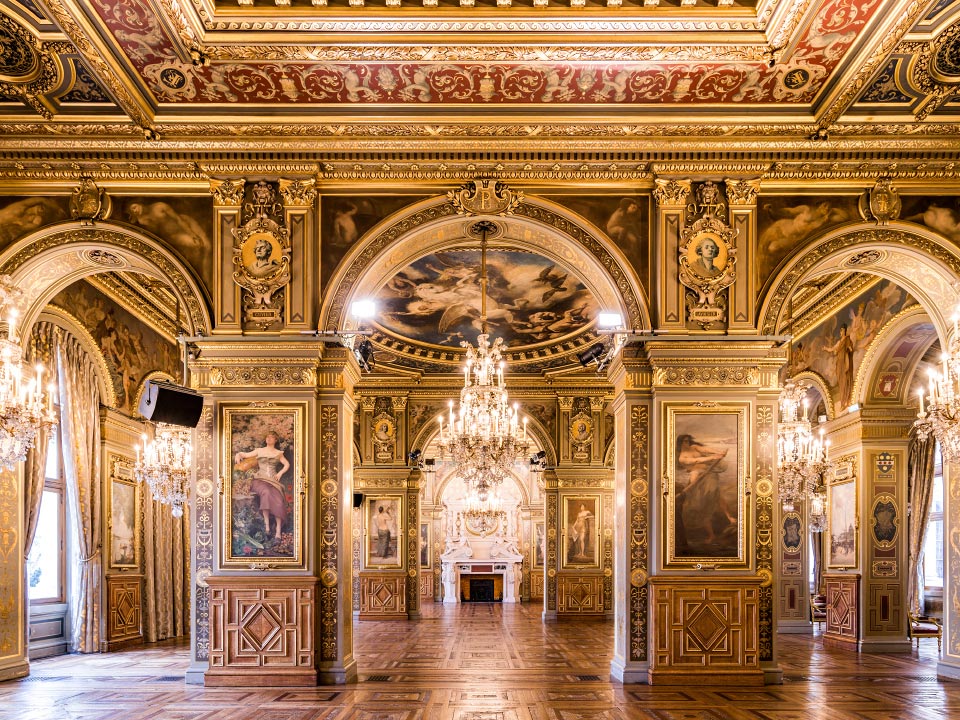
[
  {"x": 818, "y": 609},
  {"x": 924, "y": 626}
]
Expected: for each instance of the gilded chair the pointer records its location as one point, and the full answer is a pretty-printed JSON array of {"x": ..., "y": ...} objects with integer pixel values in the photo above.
[{"x": 924, "y": 626}]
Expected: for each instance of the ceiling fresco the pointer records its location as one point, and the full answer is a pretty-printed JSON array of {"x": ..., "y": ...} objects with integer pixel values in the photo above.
[{"x": 435, "y": 301}]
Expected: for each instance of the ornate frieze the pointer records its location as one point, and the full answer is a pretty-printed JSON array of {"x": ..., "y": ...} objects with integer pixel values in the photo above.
[
  {"x": 711, "y": 375},
  {"x": 262, "y": 372}
]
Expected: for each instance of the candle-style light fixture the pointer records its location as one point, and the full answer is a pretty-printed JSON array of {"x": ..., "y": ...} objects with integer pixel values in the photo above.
[
  {"x": 164, "y": 463},
  {"x": 802, "y": 457},
  {"x": 486, "y": 436},
  {"x": 940, "y": 415},
  {"x": 23, "y": 408}
]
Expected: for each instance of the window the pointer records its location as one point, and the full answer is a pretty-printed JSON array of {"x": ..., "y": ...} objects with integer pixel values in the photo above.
[
  {"x": 45, "y": 565},
  {"x": 933, "y": 541}
]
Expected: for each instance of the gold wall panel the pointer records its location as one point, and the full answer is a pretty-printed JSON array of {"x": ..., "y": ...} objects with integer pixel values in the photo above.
[
  {"x": 580, "y": 595},
  {"x": 705, "y": 631},
  {"x": 262, "y": 631},
  {"x": 383, "y": 597}
]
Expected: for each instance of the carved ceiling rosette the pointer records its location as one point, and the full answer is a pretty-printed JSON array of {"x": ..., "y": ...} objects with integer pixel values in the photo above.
[
  {"x": 261, "y": 258},
  {"x": 707, "y": 258}
]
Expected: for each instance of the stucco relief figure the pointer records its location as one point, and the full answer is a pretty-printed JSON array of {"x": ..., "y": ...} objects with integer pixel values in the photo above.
[{"x": 271, "y": 464}]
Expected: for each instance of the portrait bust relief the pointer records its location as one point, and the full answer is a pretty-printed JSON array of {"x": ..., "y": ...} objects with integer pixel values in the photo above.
[
  {"x": 261, "y": 254},
  {"x": 707, "y": 255}
]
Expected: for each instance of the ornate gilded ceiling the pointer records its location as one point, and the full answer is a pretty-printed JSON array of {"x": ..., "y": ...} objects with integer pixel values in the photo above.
[{"x": 290, "y": 72}]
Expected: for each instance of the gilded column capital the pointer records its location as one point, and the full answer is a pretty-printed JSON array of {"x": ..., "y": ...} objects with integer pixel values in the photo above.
[
  {"x": 298, "y": 193},
  {"x": 227, "y": 193},
  {"x": 629, "y": 371},
  {"x": 742, "y": 192},
  {"x": 337, "y": 369},
  {"x": 565, "y": 402},
  {"x": 670, "y": 192}
]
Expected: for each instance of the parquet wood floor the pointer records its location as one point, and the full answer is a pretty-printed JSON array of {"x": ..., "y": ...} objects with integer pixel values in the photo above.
[{"x": 486, "y": 662}]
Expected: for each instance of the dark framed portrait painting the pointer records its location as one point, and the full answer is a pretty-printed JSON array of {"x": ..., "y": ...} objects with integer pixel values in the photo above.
[
  {"x": 263, "y": 502},
  {"x": 706, "y": 459}
]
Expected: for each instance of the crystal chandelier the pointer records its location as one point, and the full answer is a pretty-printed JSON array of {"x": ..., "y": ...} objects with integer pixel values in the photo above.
[
  {"x": 23, "y": 409},
  {"x": 802, "y": 458},
  {"x": 941, "y": 415},
  {"x": 485, "y": 438},
  {"x": 483, "y": 509},
  {"x": 164, "y": 465}
]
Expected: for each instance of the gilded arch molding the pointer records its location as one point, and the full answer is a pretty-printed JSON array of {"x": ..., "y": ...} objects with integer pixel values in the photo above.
[
  {"x": 917, "y": 259},
  {"x": 536, "y": 225},
  {"x": 52, "y": 258}
]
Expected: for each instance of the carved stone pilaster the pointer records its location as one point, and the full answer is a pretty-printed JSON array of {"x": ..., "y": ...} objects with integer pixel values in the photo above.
[{"x": 551, "y": 514}]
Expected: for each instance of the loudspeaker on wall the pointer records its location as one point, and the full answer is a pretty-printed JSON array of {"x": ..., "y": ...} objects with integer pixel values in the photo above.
[{"x": 164, "y": 402}]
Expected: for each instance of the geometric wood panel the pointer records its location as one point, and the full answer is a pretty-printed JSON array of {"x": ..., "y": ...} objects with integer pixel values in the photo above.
[
  {"x": 426, "y": 587},
  {"x": 705, "y": 631},
  {"x": 843, "y": 599},
  {"x": 885, "y": 611},
  {"x": 536, "y": 585},
  {"x": 580, "y": 594},
  {"x": 383, "y": 597},
  {"x": 262, "y": 631},
  {"x": 792, "y": 592},
  {"x": 123, "y": 611}
]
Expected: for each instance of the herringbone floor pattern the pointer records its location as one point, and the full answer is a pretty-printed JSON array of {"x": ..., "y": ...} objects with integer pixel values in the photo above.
[{"x": 486, "y": 662}]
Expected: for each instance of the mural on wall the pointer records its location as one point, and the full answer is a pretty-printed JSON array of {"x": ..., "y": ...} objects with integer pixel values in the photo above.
[
  {"x": 344, "y": 220},
  {"x": 626, "y": 220},
  {"x": 131, "y": 348},
  {"x": 941, "y": 214},
  {"x": 183, "y": 222},
  {"x": 20, "y": 216},
  {"x": 784, "y": 223},
  {"x": 835, "y": 348},
  {"x": 436, "y": 299}
]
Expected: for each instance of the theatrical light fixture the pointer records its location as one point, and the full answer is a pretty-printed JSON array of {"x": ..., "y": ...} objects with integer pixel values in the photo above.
[
  {"x": 363, "y": 309},
  {"x": 364, "y": 355},
  {"x": 592, "y": 354},
  {"x": 609, "y": 320}
]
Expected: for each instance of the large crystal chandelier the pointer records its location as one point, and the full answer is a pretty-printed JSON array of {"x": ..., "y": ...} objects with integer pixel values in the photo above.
[
  {"x": 483, "y": 509},
  {"x": 941, "y": 414},
  {"x": 802, "y": 458},
  {"x": 23, "y": 408},
  {"x": 164, "y": 463},
  {"x": 485, "y": 437}
]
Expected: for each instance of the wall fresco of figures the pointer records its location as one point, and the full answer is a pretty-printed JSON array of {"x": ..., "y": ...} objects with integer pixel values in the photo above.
[
  {"x": 20, "y": 216},
  {"x": 941, "y": 214},
  {"x": 436, "y": 299},
  {"x": 835, "y": 348},
  {"x": 132, "y": 349},
  {"x": 625, "y": 220},
  {"x": 785, "y": 223},
  {"x": 344, "y": 220},
  {"x": 185, "y": 223}
]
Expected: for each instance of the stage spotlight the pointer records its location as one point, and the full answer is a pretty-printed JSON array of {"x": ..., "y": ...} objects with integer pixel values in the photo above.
[
  {"x": 414, "y": 458},
  {"x": 591, "y": 354}
]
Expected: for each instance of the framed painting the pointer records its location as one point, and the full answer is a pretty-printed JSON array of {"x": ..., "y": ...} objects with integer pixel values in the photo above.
[
  {"x": 124, "y": 519},
  {"x": 426, "y": 557},
  {"x": 791, "y": 532},
  {"x": 263, "y": 503},
  {"x": 706, "y": 469},
  {"x": 383, "y": 517},
  {"x": 885, "y": 520},
  {"x": 843, "y": 524},
  {"x": 538, "y": 544},
  {"x": 580, "y": 531}
]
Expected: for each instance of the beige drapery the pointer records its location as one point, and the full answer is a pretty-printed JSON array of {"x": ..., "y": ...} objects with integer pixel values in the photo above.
[
  {"x": 164, "y": 570},
  {"x": 920, "y": 467},
  {"x": 42, "y": 343},
  {"x": 80, "y": 444}
]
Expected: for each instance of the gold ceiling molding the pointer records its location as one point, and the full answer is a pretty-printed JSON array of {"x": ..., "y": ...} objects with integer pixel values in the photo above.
[
  {"x": 834, "y": 297},
  {"x": 29, "y": 68},
  {"x": 139, "y": 301}
]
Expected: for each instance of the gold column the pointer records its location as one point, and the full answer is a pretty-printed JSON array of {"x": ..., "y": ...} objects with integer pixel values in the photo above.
[
  {"x": 551, "y": 560},
  {"x": 299, "y": 210},
  {"x": 413, "y": 544},
  {"x": 630, "y": 375},
  {"x": 13, "y": 601},
  {"x": 671, "y": 206},
  {"x": 742, "y": 200},
  {"x": 227, "y": 203}
]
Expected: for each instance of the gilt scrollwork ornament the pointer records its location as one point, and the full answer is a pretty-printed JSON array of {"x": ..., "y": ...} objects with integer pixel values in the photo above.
[
  {"x": 581, "y": 436},
  {"x": 881, "y": 203},
  {"x": 707, "y": 259},
  {"x": 485, "y": 197},
  {"x": 29, "y": 68},
  {"x": 671, "y": 192},
  {"x": 298, "y": 193},
  {"x": 89, "y": 203},
  {"x": 261, "y": 258},
  {"x": 227, "y": 193}
]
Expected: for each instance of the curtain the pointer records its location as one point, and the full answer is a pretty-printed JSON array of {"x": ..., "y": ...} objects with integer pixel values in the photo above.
[
  {"x": 42, "y": 342},
  {"x": 817, "y": 545},
  {"x": 165, "y": 569},
  {"x": 80, "y": 444},
  {"x": 920, "y": 466}
]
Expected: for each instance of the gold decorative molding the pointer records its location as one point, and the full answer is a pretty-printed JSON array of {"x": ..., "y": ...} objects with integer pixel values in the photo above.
[
  {"x": 669, "y": 192},
  {"x": 227, "y": 193},
  {"x": 298, "y": 193},
  {"x": 709, "y": 375},
  {"x": 742, "y": 193},
  {"x": 262, "y": 372}
]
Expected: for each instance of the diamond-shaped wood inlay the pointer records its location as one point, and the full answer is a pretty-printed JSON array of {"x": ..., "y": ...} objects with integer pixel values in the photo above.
[
  {"x": 261, "y": 628},
  {"x": 706, "y": 627}
]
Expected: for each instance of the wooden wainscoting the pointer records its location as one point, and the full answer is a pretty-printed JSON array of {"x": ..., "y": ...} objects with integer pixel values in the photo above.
[
  {"x": 262, "y": 631},
  {"x": 426, "y": 585},
  {"x": 705, "y": 631},
  {"x": 843, "y": 609},
  {"x": 579, "y": 595},
  {"x": 383, "y": 597},
  {"x": 536, "y": 584},
  {"x": 123, "y": 612}
]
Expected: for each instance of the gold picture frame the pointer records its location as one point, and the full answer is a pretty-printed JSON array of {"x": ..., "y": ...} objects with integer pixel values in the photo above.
[
  {"x": 263, "y": 484},
  {"x": 843, "y": 525},
  {"x": 538, "y": 543},
  {"x": 705, "y": 470},
  {"x": 123, "y": 519},
  {"x": 580, "y": 531},
  {"x": 426, "y": 556},
  {"x": 384, "y": 531}
]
